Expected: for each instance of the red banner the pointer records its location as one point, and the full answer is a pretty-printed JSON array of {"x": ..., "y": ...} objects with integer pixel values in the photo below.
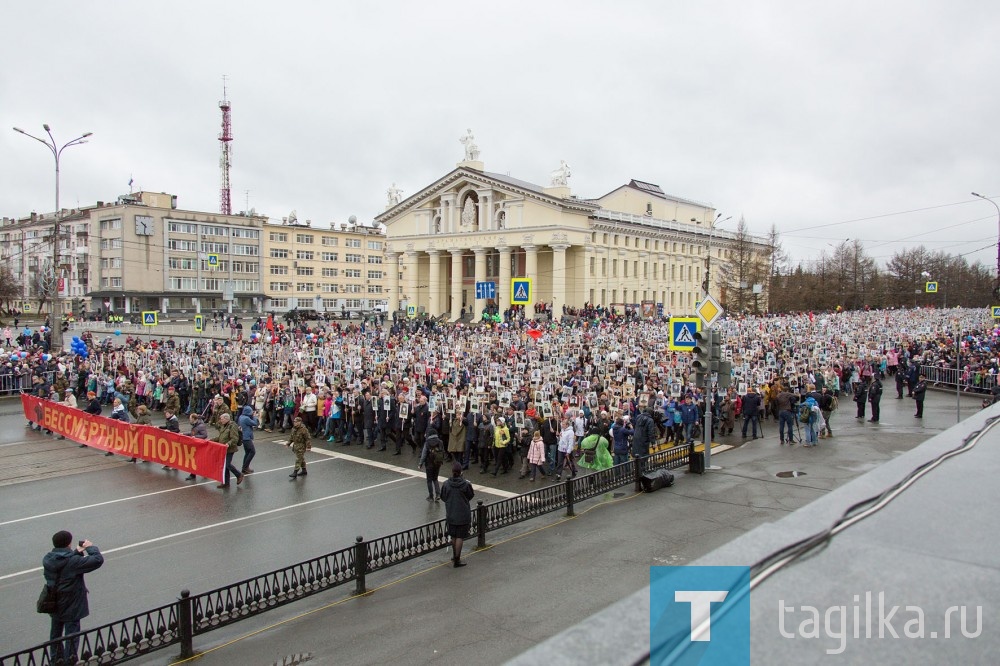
[{"x": 195, "y": 456}]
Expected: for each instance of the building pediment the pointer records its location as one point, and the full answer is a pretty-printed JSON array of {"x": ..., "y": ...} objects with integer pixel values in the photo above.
[{"x": 463, "y": 179}]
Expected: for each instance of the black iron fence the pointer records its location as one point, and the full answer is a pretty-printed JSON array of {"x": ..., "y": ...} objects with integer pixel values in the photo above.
[{"x": 178, "y": 623}]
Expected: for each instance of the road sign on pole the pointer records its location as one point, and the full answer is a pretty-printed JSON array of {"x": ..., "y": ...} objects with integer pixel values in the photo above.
[
  {"x": 520, "y": 291},
  {"x": 199, "y": 323},
  {"x": 486, "y": 290},
  {"x": 411, "y": 311},
  {"x": 682, "y": 330},
  {"x": 996, "y": 311},
  {"x": 709, "y": 310},
  {"x": 149, "y": 318},
  {"x": 931, "y": 287}
]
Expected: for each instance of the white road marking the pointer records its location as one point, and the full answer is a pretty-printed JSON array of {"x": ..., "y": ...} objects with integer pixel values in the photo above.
[
  {"x": 130, "y": 498},
  {"x": 406, "y": 470},
  {"x": 216, "y": 525}
]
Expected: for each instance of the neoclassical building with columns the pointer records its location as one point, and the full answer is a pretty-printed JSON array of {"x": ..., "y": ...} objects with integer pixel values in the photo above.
[{"x": 634, "y": 245}]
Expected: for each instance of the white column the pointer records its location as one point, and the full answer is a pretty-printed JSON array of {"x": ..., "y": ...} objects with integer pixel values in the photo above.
[
  {"x": 456, "y": 284},
  {"x": 392, "y": 265},
  {"x": 558, "y": 278},
  {"x": 480, "y": 277},
  {"x": 503, "y": 290},
  {"x": 448, "y": 213},
  {"x": 531, "y": 271},
  {"x": 434, "y": 284},
  {"x": 411, "y": 263}
]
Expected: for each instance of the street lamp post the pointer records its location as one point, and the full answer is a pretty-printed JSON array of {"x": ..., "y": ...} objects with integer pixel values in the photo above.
[
  {"x": 996, "y": 286},
  {"x": 56, "y": 153}
]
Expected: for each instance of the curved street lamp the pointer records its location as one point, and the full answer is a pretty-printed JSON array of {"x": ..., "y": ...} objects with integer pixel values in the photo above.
[
  {"x": 996, "y": 286},
  {"x": 56, "y": 153}
]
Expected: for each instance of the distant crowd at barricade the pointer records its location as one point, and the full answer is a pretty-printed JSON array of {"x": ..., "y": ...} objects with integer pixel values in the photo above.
[{"x": 387, "y": 387}]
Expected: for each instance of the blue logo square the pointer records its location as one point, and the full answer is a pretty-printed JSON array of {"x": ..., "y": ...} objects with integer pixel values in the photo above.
[{"x": 699, "y": 615}]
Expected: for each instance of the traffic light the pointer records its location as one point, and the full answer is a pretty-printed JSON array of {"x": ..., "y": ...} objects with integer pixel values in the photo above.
[
  {"x": 724, "y": 368},
  {"x": 702, "y": 351}
]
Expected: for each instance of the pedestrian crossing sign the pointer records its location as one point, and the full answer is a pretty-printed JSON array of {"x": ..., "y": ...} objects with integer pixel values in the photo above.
[
  {"x": 931, "y": 287},
  {"x": 520, "y": 291},
  {"x": 199, "y": 323},
  {"x": 213, "y": 261},
  {"x": 996, "y": 311},
  {"x": 411, "y": 311},
  {"x": 682, "y": 330},
  {"x": 149, "y": 318}
]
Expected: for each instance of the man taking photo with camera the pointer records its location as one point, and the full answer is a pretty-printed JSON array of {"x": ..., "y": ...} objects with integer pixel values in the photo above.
[{"x": 64, "y": 568}]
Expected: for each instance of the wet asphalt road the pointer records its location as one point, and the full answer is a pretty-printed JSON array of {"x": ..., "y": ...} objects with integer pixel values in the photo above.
[{"x": 161, "y": 534}]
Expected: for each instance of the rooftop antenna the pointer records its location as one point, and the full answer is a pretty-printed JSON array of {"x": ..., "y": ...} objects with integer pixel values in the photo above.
[{"x": 225, "y": 160}]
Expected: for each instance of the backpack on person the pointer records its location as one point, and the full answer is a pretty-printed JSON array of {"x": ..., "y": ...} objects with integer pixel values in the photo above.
[{"x": 805, "y": 412}]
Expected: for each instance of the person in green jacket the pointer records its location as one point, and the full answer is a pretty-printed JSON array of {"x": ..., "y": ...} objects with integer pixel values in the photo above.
[
  {"x": 229, "y": 434},
  {"x": 595, "y": 452}
]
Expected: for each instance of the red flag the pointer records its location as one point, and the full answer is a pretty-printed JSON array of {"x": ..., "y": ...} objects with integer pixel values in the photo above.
[{"x": 270, "y": 323}]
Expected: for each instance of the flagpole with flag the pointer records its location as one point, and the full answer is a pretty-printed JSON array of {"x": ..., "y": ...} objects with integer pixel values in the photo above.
[{"x": 130, "y": 184}]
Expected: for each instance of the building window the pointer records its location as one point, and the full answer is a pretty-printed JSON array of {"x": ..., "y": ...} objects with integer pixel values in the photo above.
[
  {"x": 330, "y": 241},
  {"x": 375, "y": 275},
  {"x": 374, "y": 245},
  {"x": 211, "y": 284},
  {"x": 353, "y": 289},
  {"x": 245, "y": 250},
  {"x": 374, "y": 259},
  {"x": 352, "y": 303},
  {"x": 115, "y": 262},
  {"x": 221, "y": 267},
  {"x": 245, "y": 285},
  {"x": 214, "y": 231},
  {"x": 649, "y": 208},
  {"x": 329, "y": 303},
  {"x": 182, "y": 228},
  {"x": 304, "y": 255},
  {"x": 278, "y": 269},
  {"x": 352, "y": 242},
  {"x": 281, "y": 286},
  {"x": 176, "y": 245},
  {"x": 279, "y": 303},
  {"x": 278, "y": 237},
  {"x": 215, "y": 248},
  {"x": 374, "y": 289},
  {"x": 353, "y": 258},
  {"x": 179, "y": 264},
  {"x": 186, "y": 284},
  {"x": 328, "y": 256},
  {"x": 279, "y": 254},
  {"x": 328, "y": 287},
  {"x": 111, "y": 225},
  {"x": 245, "y": 266},
  {"x": 593, "y": 264},
  {"x": 304, "y": 239},
  {"x": 352, "y": 272},
  {"x": 241, "y": 232},
  {"x": 329, "y": 272},
  {"x": 304, "y": 270},
  {"x": 304, "y": 286}
]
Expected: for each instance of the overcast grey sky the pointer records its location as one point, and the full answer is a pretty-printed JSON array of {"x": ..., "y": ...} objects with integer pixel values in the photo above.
[{"x": 800, "y": 114}]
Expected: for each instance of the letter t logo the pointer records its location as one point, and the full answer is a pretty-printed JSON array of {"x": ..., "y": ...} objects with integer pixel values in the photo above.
[{"x": 701, "y": 609}]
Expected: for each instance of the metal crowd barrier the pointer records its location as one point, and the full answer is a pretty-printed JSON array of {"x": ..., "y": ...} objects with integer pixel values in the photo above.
[
  {"x": 178, "y": 623},
  {"x": 15, "y": 384},
  {"x": 952, "y": 377}
]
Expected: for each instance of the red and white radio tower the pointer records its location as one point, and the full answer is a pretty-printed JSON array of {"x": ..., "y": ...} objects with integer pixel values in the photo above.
[{"x": 225, "y": 160}]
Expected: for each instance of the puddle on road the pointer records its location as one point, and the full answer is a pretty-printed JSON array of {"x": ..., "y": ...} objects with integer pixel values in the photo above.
[{"x": 790, "y": 475}]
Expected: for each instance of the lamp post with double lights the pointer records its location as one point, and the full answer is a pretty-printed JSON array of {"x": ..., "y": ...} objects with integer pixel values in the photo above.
[
  {"x": 56, "y": 153},
  {"x": 996, "y": 285}
]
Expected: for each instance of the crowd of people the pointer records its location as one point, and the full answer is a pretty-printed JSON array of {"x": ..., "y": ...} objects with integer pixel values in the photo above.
[{"x": 535, "y": 398}]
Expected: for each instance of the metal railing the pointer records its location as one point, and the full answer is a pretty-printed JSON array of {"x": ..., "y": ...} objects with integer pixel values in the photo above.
[
  {"x": 15, "y": 384},
  {"x": 178, "y": 623},
  {"x": 952, "y": 377}
]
